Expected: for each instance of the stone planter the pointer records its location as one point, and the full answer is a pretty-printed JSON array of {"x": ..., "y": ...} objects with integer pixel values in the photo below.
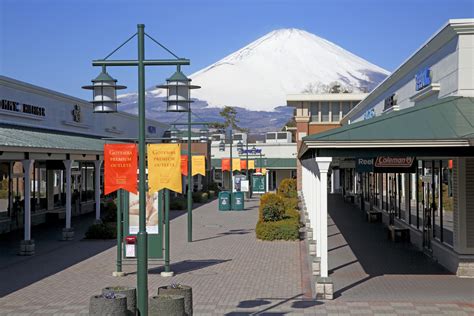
[
  {"x": 68, "y": 233},
  {"x": 101, "y": 306},
  {"x": 169, "y": 305},
  {"x": 129, "y": 292},
  {"x": 182, "y": 290},
  {"x": 27, "y": 247}
]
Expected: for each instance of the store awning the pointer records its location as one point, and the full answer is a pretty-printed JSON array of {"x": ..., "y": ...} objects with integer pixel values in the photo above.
[
  {"x": 29, "y": 140},
  {"x": 445, "y": 128}
]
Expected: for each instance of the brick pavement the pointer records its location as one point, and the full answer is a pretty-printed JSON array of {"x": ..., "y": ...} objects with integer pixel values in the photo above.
[{"x": 230, "y": 271}]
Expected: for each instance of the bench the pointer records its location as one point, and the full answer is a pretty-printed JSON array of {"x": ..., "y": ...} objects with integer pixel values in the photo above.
[
  {"x": 396, "y": 233},
  {"x": 374, "y": 216}
]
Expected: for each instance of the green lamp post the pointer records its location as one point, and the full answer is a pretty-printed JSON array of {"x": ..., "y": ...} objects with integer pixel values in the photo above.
[
  {"x": 179, "y": 100},
  {"x": 105, "y": 101}
]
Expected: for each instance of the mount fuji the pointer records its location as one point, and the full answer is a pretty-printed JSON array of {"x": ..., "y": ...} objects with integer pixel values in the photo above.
[{"x": 257, "y": 78}]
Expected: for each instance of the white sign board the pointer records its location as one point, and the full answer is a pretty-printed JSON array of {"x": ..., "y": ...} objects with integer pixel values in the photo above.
[{"x": 244, "y": 185}]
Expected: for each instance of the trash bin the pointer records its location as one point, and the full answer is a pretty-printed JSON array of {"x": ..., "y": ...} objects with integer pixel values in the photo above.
[
  {"x": 238, "y": 201},
  {"x": 224, "y": 201}
]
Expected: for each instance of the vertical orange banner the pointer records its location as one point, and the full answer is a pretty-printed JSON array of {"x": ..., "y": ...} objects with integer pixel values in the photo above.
[
  {"x": 236, "y": 164},
  {"x": 199, "y": 165},
  {"x": 120, "y": 167},
  {"x": 243, "y": 164},
  {"x": 225, "y": 164},
  {"x": 184, "y": 165},
  {"x": 251, "y": 164},
  {"x": 164, "y": 167}
]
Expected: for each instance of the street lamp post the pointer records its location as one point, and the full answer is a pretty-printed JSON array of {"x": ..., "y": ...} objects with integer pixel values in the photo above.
[{"x": 105, "y": 101}]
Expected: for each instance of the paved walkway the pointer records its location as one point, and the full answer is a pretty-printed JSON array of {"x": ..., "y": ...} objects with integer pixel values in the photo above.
[{"x": 230, "y": 271}]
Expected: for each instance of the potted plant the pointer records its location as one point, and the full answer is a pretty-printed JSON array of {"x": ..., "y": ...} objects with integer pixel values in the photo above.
[
  {"x": 169, "y": 305},
  {"x": 129, "y": 292},
  {"x": 179, "y": 289},
  {"x": 108, "y": 304}
]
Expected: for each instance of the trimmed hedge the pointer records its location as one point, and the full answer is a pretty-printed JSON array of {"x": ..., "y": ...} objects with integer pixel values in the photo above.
[
  {"x": 286, "y": 229},
  {"x": 287, "y": 188},
  {"x": 178, "y": 203},
  {"x": 101, "y": 231},
  {"x": 200, "y": 197}
]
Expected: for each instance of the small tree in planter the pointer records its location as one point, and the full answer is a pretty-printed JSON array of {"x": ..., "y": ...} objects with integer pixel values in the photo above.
[
  {"x": 108, "y": 304},
  {"x": 129, "y": 292},
  {"x": 179, "y": 289},
  {"x": 169, "y": 305}
]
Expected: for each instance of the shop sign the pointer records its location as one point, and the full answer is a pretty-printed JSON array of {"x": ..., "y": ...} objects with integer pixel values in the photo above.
[
  {"x": 423, "y": 79},
  {"x": 369, "y": 114},
  {"x": 390, "y": 102},
  {"x": 252, "y": 151},
  {"x": 151, "y": 212},
  {"x": 199, "y": 165},
  {"x": 164, "y": 167},
  {"x": 364, "y": 165},
  {"x": 23, "y": 108},
  {"x": 395, "y": 164}
]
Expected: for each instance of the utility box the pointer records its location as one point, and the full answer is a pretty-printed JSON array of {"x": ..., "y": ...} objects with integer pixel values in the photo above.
[
  {"x": 130, "y": 246},
  {"x": 224, "y": 201},
  {"x": 238, "y": 201}
]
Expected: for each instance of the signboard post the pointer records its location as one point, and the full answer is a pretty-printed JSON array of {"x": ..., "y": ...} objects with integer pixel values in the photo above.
[{"x": 258, "y": 183}]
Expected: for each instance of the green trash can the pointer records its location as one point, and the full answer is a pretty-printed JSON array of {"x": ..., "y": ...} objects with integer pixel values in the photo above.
[
  {"x": 224, "y": 201},
  {"x": 238, "y": 201}
]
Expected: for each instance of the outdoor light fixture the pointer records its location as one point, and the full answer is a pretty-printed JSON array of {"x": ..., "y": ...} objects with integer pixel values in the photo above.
[
  {"x": 203, "y": 132},
  {"x": 240, "y": 146},
  {"x": 174, "y": 134},
  {"x": 222, "y": 146},
  {"x": 105, "y": 93},
  {"x": 179, "y": 92}
]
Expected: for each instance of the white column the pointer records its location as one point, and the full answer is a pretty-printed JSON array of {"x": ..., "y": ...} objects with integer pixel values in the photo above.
[
  {"x": 10, "y": 186},
  {"x": 333, "y": 180},
  {"x": 317, "y": 194},
  {"x": 68, "y": 165},
  {"x": 337, "y": 178},
  {"x": 97, "y": 164},
  {"x": 323, "y": 166},
  {"x": 27, "y": 167}
]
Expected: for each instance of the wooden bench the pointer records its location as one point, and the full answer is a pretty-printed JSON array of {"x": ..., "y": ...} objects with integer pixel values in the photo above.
[
  {"x": 396, "y": 233},
  {"x": 374, "y": 216}
]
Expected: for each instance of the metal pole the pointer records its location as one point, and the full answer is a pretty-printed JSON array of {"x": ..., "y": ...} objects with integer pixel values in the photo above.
[
  {"x": 119, "y": 231},
  {"x": 142, "y": 258},
  {"x": 190, "y": 191},
  {"x": 231, "y": 169},
  {"x": 247, "y": 164},
  {"x": 167, "y": 230}
]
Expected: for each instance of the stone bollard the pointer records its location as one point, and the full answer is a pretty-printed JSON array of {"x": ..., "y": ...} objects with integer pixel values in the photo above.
[
  {"x": 324, "y": 289},
  {"x": 103, "y": 305},
  {"x": 316, "y": 266},
  {"x": 27, "y": 247},
  {"x": 68, "y": 233},
  {"x": 169, "y": 305},
  {"x": 183, "y": 290},
  {"x": 309, "y": 233},
  {"x": 312, "y": 248},
  {"x": 129, "y": 292}
]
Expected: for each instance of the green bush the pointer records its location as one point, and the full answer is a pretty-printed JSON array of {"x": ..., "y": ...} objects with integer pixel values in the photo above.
[
  {"x": 290, "y": 203},
  {"x": 101, "y": 231},
  {"x": 213, "y": 187},
  {"x": 109, "y": 211},
  {"x": 287, "y": 229},
  {"x": 287, "y": 188},
  {"x": 178, "y": 204},
  {"x": 212, "y": 194},
  {"x": 271, "y": 207},
  {"x": 200, "y": 197}
]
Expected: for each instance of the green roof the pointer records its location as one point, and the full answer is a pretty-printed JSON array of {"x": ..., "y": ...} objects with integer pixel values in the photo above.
[
  {"x": 450, "y": 119},
  {"x": 270, "y": 163},
  {"x": 17, "y": 137}
]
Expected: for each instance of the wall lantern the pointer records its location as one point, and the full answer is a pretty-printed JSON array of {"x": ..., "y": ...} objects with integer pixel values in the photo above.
[
  {"x": 179, "y": 92},
  {"x": 105, "y": 93}
]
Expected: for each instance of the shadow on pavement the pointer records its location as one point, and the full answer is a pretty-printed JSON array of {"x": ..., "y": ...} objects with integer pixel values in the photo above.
[
  {"x": 187, "y": 266},
  {"x": 268, "y": 304},
  {"x": 230, "y": 232}
]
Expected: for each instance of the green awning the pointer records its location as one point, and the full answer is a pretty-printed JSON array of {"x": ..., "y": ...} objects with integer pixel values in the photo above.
[
  {"x": 19, "y": 138},
  {"x": 270, "y": 163},
  {"x": 429, "y": 128}
]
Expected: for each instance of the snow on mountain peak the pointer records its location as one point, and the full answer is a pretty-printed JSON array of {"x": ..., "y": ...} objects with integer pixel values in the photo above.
[{"x": 261, "y": 74}]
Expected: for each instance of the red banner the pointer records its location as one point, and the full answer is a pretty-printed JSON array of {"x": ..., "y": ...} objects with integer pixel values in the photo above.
[
  {"x": 184, "y": 165},
  {"x": 243, "y": 164},
  {"x": 225, "y": 164},
  {"x": 120, "y": 167}
]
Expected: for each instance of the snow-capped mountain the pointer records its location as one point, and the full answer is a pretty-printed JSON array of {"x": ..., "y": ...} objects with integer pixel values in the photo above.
[{"x": 259, "y": 76}]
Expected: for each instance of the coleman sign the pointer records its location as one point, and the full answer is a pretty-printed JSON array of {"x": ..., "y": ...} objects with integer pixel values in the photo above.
[{"x": 385, "y": 164}]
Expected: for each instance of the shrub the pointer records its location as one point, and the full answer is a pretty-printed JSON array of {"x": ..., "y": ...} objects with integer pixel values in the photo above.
[
  {"x": 287, "y": 229},
  {"x": 212, "y": 194},
  {"x": 178, "y": 204},
  {"x": 109, "y": 211},
  {"x": 290, "y": 203},
  {"x": 200, "y": 197},
  {"x": 101, "y": 231},
  {"x": 213, "y": 187},
  {"x": 271, "y": 207},
  {"x": 287, "y": 188}
]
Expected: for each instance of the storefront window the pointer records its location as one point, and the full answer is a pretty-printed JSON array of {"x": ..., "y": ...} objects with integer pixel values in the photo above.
[
  {"x": 335, "y": 108},
  {"x": 346, "y": 107},
  {"x": 314, "y": 111},
  {"x": 324, "y": 111},
  {"x": 446, "y": 201},
  {"x": 4, "y": 189}
]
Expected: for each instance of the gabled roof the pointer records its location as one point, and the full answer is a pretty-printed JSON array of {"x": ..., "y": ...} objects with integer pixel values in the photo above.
[{"x": 447, "y": 123}]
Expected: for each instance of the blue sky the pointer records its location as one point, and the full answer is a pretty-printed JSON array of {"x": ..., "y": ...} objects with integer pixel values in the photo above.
[{"x": 51, "y": 42}]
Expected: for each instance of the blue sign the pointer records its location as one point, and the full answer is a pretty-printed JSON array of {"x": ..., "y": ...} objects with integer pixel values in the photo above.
[
  {"x": 151, "y": 129},
  {"x": 423, "y": 79},
  {"x": 253, "y": 151},
  {"x": 369, "y": 114}
]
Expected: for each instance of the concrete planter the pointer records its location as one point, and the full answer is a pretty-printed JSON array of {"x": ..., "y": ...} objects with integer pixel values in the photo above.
[
  {"x": 68, "y": 233},
  {"x": 27, "y": 247},
  {"x": 169, "y": 305},
  {"x": 101, "y": 306},
  {"x": 183, "y": 290},
  {"x": 129, "y": 292}
]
